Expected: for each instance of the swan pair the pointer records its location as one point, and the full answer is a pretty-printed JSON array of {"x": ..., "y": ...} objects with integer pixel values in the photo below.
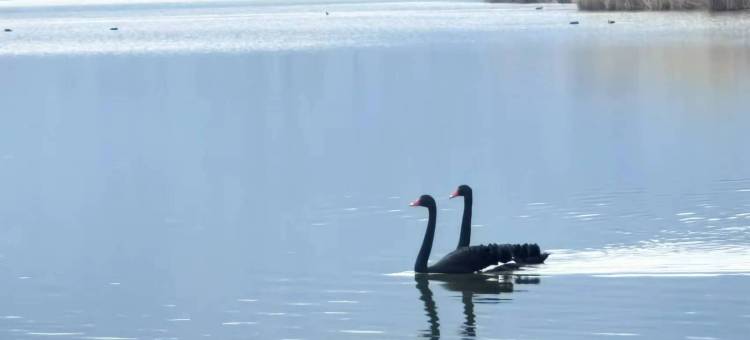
[{"x": 466, "y": 258}]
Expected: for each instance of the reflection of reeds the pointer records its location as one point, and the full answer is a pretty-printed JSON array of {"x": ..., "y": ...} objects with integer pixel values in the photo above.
[{"x": 662, "y": 5}]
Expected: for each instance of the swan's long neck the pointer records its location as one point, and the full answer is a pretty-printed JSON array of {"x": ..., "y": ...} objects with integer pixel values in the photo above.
[
  {"x": 424, "y": 253},
  {"x": 465, "y": 237}
]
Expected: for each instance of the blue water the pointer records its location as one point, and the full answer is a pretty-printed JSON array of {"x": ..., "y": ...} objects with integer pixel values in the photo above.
[{"x": 244, "y": 171}]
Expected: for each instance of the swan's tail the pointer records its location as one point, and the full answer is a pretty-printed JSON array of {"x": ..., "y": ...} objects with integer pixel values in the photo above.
[
  {"x": 520, "y": 253},
  {"x": 528, "y": 253}
]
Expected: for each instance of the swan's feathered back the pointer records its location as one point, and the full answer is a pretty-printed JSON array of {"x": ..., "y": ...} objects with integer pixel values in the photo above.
[
  {"x": 475, "y": 258},
  {"x": 528, "y": 253}
]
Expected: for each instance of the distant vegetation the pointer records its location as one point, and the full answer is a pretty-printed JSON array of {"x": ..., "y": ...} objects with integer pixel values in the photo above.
[
  {"x": 529, "y": 1},
  {"x": 662, "y": 5},
  {"x": 645, "y": 5}
]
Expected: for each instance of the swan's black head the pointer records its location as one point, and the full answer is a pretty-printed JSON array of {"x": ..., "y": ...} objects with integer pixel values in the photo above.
[
  {"x": 462, "y": 190},
  {"x": 424, "y": 201}
]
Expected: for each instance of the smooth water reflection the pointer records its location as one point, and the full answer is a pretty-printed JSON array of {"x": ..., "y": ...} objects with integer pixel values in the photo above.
[
  {"x": 482, "y": 307},
  {"x": 241, "y": 26},
  {"x": 473, "y": 288}
]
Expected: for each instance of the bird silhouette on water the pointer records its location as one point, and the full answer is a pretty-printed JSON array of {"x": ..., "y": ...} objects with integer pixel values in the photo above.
[
  {"x": 522, "y": 253},
  {"x": 466, "y": 259}
]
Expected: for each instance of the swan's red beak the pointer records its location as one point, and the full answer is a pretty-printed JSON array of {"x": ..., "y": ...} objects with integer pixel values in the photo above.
[
  {"x": 414, "y": 204},
  {"x": 454, "y": 194}
]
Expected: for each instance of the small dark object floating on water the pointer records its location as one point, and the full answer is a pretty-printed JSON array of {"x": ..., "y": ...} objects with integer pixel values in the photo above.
[
  {"x": 574, "y": 22},
  {"x": 326, "y": 12},
  {"x": 611, "y": 22},
  {"x": 113, "y": 28},
  {"x": 540, "y": 7},
  {"x": 8, "y": 30}
]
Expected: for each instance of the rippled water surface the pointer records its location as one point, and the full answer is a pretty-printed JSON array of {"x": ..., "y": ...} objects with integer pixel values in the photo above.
[{"x": 243, "y": 170}]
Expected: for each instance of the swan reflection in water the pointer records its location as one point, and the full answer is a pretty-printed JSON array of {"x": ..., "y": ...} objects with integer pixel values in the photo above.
[{"x": 468, "y": 285}]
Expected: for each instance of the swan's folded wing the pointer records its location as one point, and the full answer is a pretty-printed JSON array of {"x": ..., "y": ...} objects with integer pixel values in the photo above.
[{"x": 473, "y": 258}]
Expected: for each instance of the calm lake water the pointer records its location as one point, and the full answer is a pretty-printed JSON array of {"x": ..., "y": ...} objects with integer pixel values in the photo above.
[{"x": 242, "y": 170}]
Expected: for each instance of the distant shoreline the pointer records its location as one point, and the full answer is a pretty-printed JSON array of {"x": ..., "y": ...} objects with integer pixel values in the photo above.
[
  {"x": 645, "y": 5},
  {"x": 663, "y": 5}
]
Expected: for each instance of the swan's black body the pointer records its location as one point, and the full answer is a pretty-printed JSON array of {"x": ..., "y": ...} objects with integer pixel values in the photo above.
[
  {"x": 467, "y": 259},
  {"x": 472, "y": 259},
  {"x": 521, "y": 253}
]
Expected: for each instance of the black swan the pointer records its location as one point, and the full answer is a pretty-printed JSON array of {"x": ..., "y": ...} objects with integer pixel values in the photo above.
[
  {"x": 462, "y": 260},
  {"x": 521, "y": 253}
]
